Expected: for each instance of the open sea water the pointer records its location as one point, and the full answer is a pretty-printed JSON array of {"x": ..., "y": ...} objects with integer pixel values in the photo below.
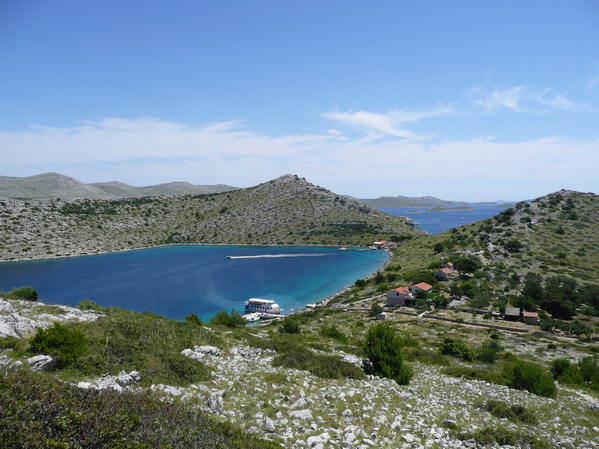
[
  {"x": 176, "y": 281},
  {"x": 435, "y": 222}
]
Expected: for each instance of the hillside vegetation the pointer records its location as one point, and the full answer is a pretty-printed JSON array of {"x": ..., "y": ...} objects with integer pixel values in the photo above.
[{"x": 287, "y": 210}]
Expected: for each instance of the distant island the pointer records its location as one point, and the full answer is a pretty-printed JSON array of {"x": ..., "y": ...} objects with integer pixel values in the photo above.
[{"x": 440, "y": 209}]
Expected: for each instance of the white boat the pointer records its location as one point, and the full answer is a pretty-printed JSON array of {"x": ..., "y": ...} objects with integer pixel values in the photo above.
[
  {"x": 251, "y": 317},
  {"x": 263, "y": 306}
]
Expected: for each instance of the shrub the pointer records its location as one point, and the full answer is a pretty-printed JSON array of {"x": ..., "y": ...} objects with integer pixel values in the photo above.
[
  {"x": 26, "y": 293},
  {"x": 60, "y": 341},
  {"x": 558, "y": 366},
  {"x": 88, "y": 304},
  {"x": 334, "y": 333},
  {"x": 531, "y": 377},
  {"x": 456, "y": 348},
  {"x": 489, "y": 352},
  {"x": 10, "y": 342},
  {"x": 375, "y": 310},
  {"x": 383, "y": 349},
  {"x": 290, "y": 325},
  {"x": 514, "y": 412},
  {"x": 589, "y": 369},
  {"x": 233, "y": 320},
  {"x": 194, "y": 319}
]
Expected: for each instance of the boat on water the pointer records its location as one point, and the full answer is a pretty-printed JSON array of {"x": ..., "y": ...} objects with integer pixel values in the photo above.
[{"x": 268, "y": 306}]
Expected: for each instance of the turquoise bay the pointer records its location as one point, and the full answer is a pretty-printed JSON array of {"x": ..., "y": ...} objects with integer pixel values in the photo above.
[{"x": 175, "y": 281}]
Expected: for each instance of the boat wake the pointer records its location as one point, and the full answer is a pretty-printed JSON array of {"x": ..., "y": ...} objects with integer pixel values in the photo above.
[{"x": 269, "y": 256}]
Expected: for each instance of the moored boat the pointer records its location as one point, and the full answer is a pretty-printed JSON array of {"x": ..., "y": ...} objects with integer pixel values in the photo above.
[{"x": 263, "y": 306}]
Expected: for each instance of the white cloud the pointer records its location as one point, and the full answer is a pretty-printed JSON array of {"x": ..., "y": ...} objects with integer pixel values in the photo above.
[
  {"x": 149, "y": 151},
  {"x": 523, "y": 99},
  {"x": 385, "y": 124}
]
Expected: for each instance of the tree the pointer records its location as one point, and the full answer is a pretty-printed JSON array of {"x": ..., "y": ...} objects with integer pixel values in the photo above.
[
  {"x": 26, "y": 293},
  {"x": 383, "y": 349}
]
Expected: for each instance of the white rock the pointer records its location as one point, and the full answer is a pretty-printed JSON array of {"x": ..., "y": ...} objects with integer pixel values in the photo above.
[
  {"x": 300, "y": 403},
  {"x": 314, "y": 440},
  {"x": 269, "y": 424},
  {"x": 42, "y": 363},
  {"x": 301, "y": 414}
]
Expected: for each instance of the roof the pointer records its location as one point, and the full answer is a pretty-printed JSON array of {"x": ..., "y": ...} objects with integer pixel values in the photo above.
[
  {"x": 423, "y": 286},
  {"x": 403, "y": 290},
  {"x": 446, "y": 270},
  {"x": 530, "y": 314}
]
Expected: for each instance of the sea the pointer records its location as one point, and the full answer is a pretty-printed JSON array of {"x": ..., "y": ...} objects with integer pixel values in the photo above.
[
  {"x": 180, "y": 280},
  {"x": 435, "y": 221}
]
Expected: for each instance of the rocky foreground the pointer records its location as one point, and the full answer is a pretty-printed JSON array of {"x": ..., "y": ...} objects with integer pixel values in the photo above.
[{"x": 298, "y": 410}]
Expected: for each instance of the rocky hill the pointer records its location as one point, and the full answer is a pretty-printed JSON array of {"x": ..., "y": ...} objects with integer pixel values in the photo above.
[
  {"x": 56, "y": 186},
  {"x": 557, "y": 234},
  {"x": 287, "y": 210}
]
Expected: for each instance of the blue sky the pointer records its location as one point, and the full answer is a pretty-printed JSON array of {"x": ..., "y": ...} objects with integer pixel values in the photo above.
[{"x": 465, "y": 100}]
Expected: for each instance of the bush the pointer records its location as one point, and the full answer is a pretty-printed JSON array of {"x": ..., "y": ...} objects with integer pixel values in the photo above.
[
  {"x": 456, "y": 348},
  {"x": 489, "y": 352},
  {"x": 531, "y": 377},
  {"x": 233, "y": 320},
  {"x": 290, "y": 325},
  {"x": 334, "y": 333},
  {"x": 26, "y": 293},
  {"x": 558, "y": 366},
  {"x": 10, "y": 342},
  {"x": 383, "y": 349},
  {"x": 88, "y": 304},
  {"x": 375, "y": 310},
  {"x": 514, "y": 412},
  {"x": 194, "y": 319},
  {"x": 60, "y": 341}
]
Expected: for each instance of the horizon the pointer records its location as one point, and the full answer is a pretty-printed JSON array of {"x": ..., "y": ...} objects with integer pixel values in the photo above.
[{"x": 469, "y": 101}]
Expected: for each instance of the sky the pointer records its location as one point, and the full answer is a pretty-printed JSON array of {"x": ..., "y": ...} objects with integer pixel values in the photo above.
[{"x": 464, "y": 100}]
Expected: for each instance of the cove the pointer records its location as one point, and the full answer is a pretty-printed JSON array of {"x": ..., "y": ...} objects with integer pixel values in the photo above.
[{"x": 176, "y": 281}]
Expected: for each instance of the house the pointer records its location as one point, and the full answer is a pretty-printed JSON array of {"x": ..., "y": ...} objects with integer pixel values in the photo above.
[
  {"x": 444, "y": 274},
  {"x": 530, "y": 317},
  {"x": 400, "y": 297},
  {"x": 512, "y": 314},
  {"x": 449, "y": 265},
  {"x": 421, "y": 287}
]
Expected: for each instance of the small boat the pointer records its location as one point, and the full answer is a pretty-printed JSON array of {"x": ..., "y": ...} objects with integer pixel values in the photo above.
[
  {"x": 251, "y": 317},
  {"x": 263, "y": 306}
]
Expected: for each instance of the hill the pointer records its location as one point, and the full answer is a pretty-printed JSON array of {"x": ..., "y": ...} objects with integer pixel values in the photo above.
[
  {"x": 121, "y": 190},
  {"x": 405, "y": 201},
  {"x": 287, "y": 210},
  {"x": 56, "y": 186},
  {"x": 46, "y": 186}
]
